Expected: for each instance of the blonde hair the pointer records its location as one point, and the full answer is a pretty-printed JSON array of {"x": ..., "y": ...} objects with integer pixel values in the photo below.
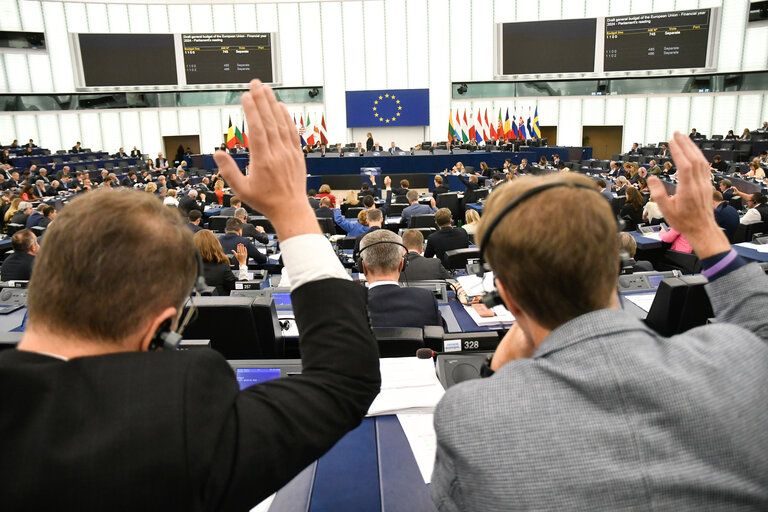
[
  {"x": 471, "y": 216},
  {"x": 351, "y": 198}
]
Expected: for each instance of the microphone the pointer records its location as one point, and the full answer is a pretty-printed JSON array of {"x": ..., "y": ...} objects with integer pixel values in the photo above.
[{"x": 426, "y": 353}]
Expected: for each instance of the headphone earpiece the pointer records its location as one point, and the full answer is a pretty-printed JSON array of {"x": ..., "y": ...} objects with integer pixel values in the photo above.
[{"x": 165, "y": 337}]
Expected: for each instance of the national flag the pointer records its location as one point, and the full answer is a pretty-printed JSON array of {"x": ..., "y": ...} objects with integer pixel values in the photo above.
[
  {"x": 507, "y": 129},
  {"x": 478, "y": 135},
  {"x": 472, "y": 128},
  {"x": 323, "y": 131},
  {"x": 494, "y": 137},
  {"x": 528, "y": 124},
  {"x": 310, "y": 132},
  {"x": 245, "y": 137},
  {"x": 523, "y": 135},
  {"x": 513, "y": 133},
  {"x": 230, "y": 135},
  {"x": 316, "y": 131},
  {"x": 450, "y": 127},
  {"x": 500, "y": 128},
  {"x": 536, "y": 127},
  {"x": 464, "y": 137},
  {"x": 238, "y": 136},
  {"x": 301, "y": 131},
  {"x": 486, "y": 127}
]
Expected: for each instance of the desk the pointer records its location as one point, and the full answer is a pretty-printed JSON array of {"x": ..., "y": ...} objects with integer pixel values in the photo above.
[
  {"x": 645, "y": 243},
  {"x": 478, "y": 207},
  {"x": 747, "y": 252},
  {"x": 370, "y": 469}
]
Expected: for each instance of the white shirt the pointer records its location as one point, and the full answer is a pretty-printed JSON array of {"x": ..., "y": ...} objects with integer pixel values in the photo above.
[
  {"x": 652, "y": 211},
  {"x": 751, "y": 217},
  {"x": 382, "y": 283},
  {"x": 323, "y": 263}
]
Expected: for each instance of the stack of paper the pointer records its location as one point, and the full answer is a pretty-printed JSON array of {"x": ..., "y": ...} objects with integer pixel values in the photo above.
[
  {"x": 755, "y": 247},
  {"x": 408, "y": 385},
  {"x": 500, "y": 316}
]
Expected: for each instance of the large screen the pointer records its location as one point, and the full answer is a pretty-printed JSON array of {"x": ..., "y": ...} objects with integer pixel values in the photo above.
[
  {"x": 174, "y": 60},
  {"x": 657, "y": 41},
  {"x": 227, "y": 58},
  {"x": 127, "y": 59},
  {"x": 562, "y": 46}
]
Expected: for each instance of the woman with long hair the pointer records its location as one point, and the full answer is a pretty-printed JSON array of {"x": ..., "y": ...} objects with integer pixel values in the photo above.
[
  {"x": 350, "y": 201},
  {"x": 216, "y": 265},
  {"x": 218, "y": 189},
  {"x": 632, "y": 211}
]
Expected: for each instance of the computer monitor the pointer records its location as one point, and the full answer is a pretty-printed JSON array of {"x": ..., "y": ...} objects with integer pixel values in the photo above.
[{"x": 255, "y": 371}]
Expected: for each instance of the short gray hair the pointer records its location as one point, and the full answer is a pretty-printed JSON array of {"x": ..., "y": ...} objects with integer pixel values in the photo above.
[
  {"x": 24, "y": 205},
  {"x": 240, "y": 213},
  {"x": 382, "y": 257},
  {"x": 412, "y": 195}
]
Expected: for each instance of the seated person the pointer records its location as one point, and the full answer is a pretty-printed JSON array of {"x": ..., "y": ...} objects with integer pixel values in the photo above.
[
  {"x": 194, "y": 217},
  {"x": 37, "y": 216},
  {"x": 471, "y": 185},
  {"x": 616, "y": 416},
  {"x": 678, "y": 241},
  {"x": 375, "y": 220},
  {"x": 249, "y": 230},
  {"x": 758, "y": 209},
  {"x": 350, "y": 226},
  {"x": 389, "y": 305},
  {"x": 210, "y": 446},
  {"x": 725, "y": 188},
  {"x": 651, "y": 211},
  {"x": 23, "y": 213},
  {"x": 216, "y": 268},
  {"x": 718, "y": 165},
  {"x": 415, "y": 208},
  {"x": 234, "y": 204},
  {"x": 440, "y": 187},
  {"x": 446, "y": 238},
  {"x": 18, "y": 265},
  {"x": 420, "y": 268},
  {"x": 726, "y": 215},
  {"x": 632, "y": 211},
  {"x": 628, "y": 244},
  {"x": 233, "y": 236},
  {"x": 471, "y": 220}
]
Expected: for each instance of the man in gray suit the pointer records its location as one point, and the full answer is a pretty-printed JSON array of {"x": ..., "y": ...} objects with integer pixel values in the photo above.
[
  {"x": 588, "y": 408},
  {"x": 415, "y": 208},
  {"x": 420, "y": 268}
]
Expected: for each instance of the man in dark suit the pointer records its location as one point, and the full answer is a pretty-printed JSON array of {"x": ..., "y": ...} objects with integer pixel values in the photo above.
[
  {"x": 420, "y": 268},
  {"x": 36, "y": 217},
  {"x": 389, "y": 305},
  {"x": 393, "y": 149},
  {"x": 18, "y": 266},
  {"x": 403, "y": 189},
  {"x": 23, "y": 213},
  {"x": 121, "y": 153},
  {"x": 556, "y": 162},
  {"x": 440, "y": 187},
  {"x": 234, "y": 204},
  {"x": 447, "y": 237},
  {"x": 471, "y": 185},
  {"x": 369, "y": 142},
  {"x": 377, "y": 148},
  {"x": 314, "y": 202},
  {"x": 249, "y": 230},
  {"x": 233, "y": 235},
  {"x": 194, "y": 217},
  {"x": 77, "y": 148},
  {"x": 191, "y": 202},
  {"x": 210, "y": 445},
  {"x": 375, "y": 220},
  {"x": 135, "y": 152}
]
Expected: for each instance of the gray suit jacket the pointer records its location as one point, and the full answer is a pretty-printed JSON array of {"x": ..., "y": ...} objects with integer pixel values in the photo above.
[{"x": 608, "y": 415}]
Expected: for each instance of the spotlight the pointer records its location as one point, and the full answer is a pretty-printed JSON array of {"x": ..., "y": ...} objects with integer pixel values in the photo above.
[
  {"x": 314, "y": 92},
  {"x": 462, "y": 89}
]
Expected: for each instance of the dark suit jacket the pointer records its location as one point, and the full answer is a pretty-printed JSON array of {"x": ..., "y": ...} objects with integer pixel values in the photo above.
[
  {"x": 471, "y": 187},
  {"x": 249, "y": 230},
  {"x": 75, "y": 149},
  {"x": 186, "y": 204},
  {"x": 17, "y": 267},
  {"x": 136, "y": 153},
  {"x": 220, "y": 276},
  {"x": 392, "y": 306},
  {"x": 170, "y": 430},
  {"x": 422, "y": 269},
  {"x": 229, "y": 243},
  {"x": 369, "y": 144},
  {"x": 194, "y": 227},
  {"x": 442, "y": 189},
  {"x": 445, "y": 239}
]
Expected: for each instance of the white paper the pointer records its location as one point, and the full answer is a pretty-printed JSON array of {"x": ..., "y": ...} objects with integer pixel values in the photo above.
[
  {"x": 408, "y": 384},
  {"x": 475, "y": 285},
  {"x": 501, "y": 316},
  {"x": 655, "y": 236},
  {"x": 264, "y": 505},
  {"x": 757, "y": 247},
  {"x": 641, "y": 300},
  {"x": 420, "y": 431}
]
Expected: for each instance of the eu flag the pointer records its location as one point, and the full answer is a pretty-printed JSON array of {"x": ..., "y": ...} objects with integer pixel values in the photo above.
[{"x": 388, "y": 107}]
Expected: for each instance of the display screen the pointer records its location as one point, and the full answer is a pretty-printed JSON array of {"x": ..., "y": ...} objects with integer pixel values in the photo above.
[
  {"x": 128, "y": 59},
  {"x": 664, "y": 40},
  {"x": 655, "y": 280},
  {"x": 250, "y": 376},
  {"x": 227, "y": 58},
  {"x": 558, "y": 46},
  {"x": 281, "y": 299}
]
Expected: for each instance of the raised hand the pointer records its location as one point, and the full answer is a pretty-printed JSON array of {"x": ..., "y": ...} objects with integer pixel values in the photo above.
[
  {"x": 276, "y": 183},
  {"x": 241, "y": 254},
  {"x": 690, "y": 210}
]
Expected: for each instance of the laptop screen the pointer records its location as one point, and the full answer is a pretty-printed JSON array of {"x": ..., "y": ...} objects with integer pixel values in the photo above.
[{"x": 282, "y": 299}]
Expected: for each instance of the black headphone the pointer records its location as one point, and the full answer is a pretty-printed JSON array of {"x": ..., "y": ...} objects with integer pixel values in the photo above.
[
  {"x": 165, "y": 337},
  {"x": 360, "y": 258},
  {"x": 493, "y": 298}
]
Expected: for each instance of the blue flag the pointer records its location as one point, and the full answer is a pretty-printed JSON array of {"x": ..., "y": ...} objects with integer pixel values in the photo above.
[{"x": 388, "y": 107}]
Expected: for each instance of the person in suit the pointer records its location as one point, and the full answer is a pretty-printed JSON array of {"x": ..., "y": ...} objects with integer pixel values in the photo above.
[
  {"x": 718, "y": 165},
  {"x": 524, "y": 167},
  {"x": 194, "y": 218},
  {"x": 664, "y": 151},
  {"x": 393, "y": 148},
  {"x": 121, "y": 153},
  {"x": 377, "y": 148},
  {"x": 18, "y": 265},
  {"x": 233, "y": 236},
  {"x": 249, "y": 230},
  {"x": 191, "y": 202},
  {"x": 314, "y": 202},
  {"x": 23, "y": 213},
  {"x": 135, "y": 152},
  {"x": 556, "y": 162},
  {"x": 369, "y": 142},
  {"x": 375, "y": 220},
  {"x": 628, "y": 244},
  {"x": 389, "y": 305},
  {"x": 49, "y": 213},
  {"x": 725, "y": 189},
  {"x": 36, "y": 217},
  {"x": 30, "y": 144},
  {"x": 420, "y": 268},
  {"x": 471, "y": 185},
  {"x": 415, "y": 208},
  {"x": 234, "y": 204},
  {"x": 642, "y": 390},
  {"x": 603, "y": 187},
  {"x": 216, "y": 268},
  {"x": 402, "y": 189},
  {"x": 211, "y": 445},
  {"x": 446, "y": 238},
  {"x": 77, "y": 148},
  {"x": 440, "y": 187},
  {"x": 726, "y": 215}
]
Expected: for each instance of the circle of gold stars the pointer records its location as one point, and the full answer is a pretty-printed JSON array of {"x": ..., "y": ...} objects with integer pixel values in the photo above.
[{"x": 382, "y": 118}]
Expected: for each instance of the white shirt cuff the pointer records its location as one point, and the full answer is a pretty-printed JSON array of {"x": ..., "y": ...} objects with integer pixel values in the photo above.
[{"x": 310, "y": 258}]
